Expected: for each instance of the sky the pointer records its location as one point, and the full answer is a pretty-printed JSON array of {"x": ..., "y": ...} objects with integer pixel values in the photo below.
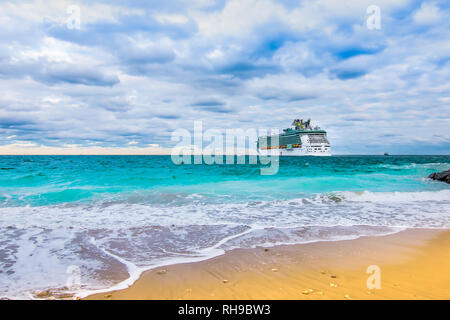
[{"x": 122, "y": 76}]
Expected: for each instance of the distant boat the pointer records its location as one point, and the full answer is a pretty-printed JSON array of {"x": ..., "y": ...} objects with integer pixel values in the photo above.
[{"x": 386, "y": 153}]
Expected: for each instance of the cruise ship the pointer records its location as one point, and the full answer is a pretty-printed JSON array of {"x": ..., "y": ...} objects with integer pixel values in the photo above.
[{"x": 301, "y": 139}]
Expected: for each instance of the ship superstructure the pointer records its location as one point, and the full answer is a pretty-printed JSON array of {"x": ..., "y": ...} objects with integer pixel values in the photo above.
[{"x": 301, "y": 139}]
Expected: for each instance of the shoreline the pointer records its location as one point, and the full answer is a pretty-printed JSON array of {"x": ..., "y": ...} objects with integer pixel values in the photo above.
[{"x": 413, "y": 265}]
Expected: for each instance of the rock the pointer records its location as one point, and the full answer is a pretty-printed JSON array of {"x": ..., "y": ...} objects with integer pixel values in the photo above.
[
  {"x": 333, "y": 276},
  {"x": 305, "y": 292},
  {"x": 225, "y": 281},
  {"x": 266, "y": 249},
  {"x": 443, "y": 176},
  {"x": 274, "y": 270},
  {"x": 108, "y": 295},
  {"x": 43, "y": 294},
  {"x": 64, "y": 296},
  {"x": 335, "y": 198}
]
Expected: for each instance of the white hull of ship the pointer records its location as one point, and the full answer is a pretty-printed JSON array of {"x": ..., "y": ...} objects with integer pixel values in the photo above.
[{"x": 309, "y": 147}]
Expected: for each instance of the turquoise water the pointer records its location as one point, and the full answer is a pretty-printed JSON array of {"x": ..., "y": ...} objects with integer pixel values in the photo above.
[{"x": 131, "y": 213}]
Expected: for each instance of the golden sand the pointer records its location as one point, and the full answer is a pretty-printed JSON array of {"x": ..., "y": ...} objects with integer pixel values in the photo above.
[{"x": 413, "y": 264}]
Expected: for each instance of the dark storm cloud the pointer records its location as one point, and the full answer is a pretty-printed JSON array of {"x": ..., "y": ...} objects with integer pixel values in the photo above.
[{"x": 212, "y": 105}]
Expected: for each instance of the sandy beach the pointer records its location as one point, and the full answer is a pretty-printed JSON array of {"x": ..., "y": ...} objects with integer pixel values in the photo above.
[{"x": 413, "y": 264}]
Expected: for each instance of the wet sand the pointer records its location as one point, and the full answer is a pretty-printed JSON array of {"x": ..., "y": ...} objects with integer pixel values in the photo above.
[{"x": 413, "y": 264}]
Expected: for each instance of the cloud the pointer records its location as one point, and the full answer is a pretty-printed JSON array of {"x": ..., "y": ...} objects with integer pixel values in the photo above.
[
  {"x": 246, "y": 69},
  {"x": 345, "y": 74},
  {"x": 53, "y": 72},
  {"x": 168, "y": 116},
  {"x": 427, "y": 14},
  {"x": 208, "y": 103},
  {"x": 273, "y": 93},
  {"x": 147, "y": 55},
  {"x": 212, "y": 105},
  {"x": 73, "y": 74},
  {"x": 12, "y": 121},
  {"x": 356, "y": 51}
]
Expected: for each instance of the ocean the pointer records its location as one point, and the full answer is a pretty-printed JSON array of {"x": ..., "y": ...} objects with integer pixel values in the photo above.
[{"x": 85, "y": 224}]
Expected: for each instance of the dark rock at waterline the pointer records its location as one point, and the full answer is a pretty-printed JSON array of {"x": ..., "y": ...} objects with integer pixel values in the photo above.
[{"x": 441, "y": 176}]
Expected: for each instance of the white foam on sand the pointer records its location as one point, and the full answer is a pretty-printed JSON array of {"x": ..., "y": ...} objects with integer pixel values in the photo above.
[
  {"x": 396, "y": 197},
  {"x": 135, "y": 271}
]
